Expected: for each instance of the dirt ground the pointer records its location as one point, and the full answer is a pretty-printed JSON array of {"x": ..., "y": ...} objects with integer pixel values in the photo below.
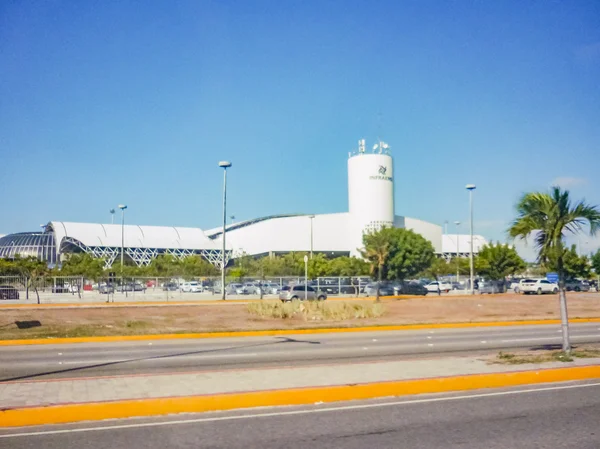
[{"x": 79, "y": 322}]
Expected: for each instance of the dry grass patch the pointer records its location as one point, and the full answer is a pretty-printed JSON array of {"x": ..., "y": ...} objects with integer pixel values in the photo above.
[
  {"x": 316, "y": 310},
  {"x": 507, "y": 358}
]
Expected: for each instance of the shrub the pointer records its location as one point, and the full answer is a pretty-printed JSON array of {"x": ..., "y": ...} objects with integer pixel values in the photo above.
[{"x": 316, "y": 310}]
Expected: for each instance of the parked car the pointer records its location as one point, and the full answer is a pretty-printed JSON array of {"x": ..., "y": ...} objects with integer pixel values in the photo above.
[
  {"x": 514, "y": 285},
  {"x": 127, "y": 287},
  {"x": 538, "y": 286},
  {"x": 251, "y": 288},
  {"x": 106, "y": 289},
  {"x": 385, "y": 289},
  {"x": 191, "y": 287},
  {"x": 138, "y": 287},
  {"x": 8, "y": 292},
  {"x": 301, "y": 292},
  {"x": 170, "y": 287},
  {"x": 490, "y": 287},
  {"x": 65, "y": 288},
  {"x": 435, "y": 286},
  {"x": 270, "y": 288},
  {"x": 577, "y": 285},
  {"x": 458, "y": 286},
  {"x": 235, "y": 289},
  {"x": 410, "y": 288}
]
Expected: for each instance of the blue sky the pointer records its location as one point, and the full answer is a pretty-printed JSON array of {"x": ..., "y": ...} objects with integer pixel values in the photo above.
[{"x": 136, "y": 101}]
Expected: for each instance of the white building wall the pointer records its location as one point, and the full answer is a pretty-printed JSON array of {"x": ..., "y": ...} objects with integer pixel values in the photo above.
[
  {"x": 462, "y": 242},
  {"x": 430, "y": 231},
  {"x": 286, "y": 234}
]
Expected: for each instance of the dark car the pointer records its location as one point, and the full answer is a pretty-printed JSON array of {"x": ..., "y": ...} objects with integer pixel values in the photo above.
[
  {"x": 106, "y": 289},
  {"x": 411, "y": 288},
  {"x": 124, "y": 288},
  {"x": 170, "y": 287},
  {"x": 385, "y": 289},
  {"x": 8, "y": 292}
]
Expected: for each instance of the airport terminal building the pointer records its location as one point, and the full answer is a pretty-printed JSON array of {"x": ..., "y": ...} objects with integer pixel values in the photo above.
[{"x": 371, "y": 206}]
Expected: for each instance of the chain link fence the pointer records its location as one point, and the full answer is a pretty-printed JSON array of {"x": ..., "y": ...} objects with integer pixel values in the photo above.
[{"x": 174, "y": 287}]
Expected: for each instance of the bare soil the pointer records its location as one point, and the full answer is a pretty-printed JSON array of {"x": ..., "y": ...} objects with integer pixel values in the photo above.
[{"x": 80, "y": 322}]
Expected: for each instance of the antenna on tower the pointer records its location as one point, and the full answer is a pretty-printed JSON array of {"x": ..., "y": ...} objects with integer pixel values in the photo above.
[{"x": 361, "y": 146}]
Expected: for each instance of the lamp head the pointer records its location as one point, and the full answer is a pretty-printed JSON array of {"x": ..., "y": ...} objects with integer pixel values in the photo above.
[
  {"x": 224, "y": 164},
  {"x": 122, "y": 206},
  {"x": 470, "y": 186}
]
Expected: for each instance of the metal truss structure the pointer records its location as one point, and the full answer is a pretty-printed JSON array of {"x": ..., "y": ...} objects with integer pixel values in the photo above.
[
  {"x": 449, "y": 256},
  {"x": 144, "y": 256}
]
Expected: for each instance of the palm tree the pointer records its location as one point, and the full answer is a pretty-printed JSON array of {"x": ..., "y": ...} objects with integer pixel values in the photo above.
[
  {"x": 550, "y": 216},
  {"x": 376, "y": 251}
]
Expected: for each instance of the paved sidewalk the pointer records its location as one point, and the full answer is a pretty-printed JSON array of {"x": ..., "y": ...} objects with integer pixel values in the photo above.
[{"x": 84, "y": 390}]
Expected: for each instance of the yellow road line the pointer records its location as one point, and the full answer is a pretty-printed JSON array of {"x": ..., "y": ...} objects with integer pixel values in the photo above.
[
  {"x": 268, "y": 333},
  {"x": 69, "y": 413}
]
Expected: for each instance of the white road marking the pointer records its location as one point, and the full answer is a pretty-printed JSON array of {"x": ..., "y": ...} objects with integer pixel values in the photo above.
[
  {"x": 429, "y": 338},
  {"x": 430, "y": 344},
  {"x": 301, "y": 412},
  {"x": 483, "y": 341},
  {"x": 211, "y": 356}
]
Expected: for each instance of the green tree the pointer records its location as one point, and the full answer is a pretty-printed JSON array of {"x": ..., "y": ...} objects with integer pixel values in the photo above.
[
  {"x": 196, "y": 266},
  {"x": 410, "y": 254},
  {"x": 575, "y": 266},
  {"x": 439, "y": 267},
  {"x": 348, "y": 266},
  {"x": 376, "y": 251},
  {"x": 8, "y": 268},
  {"x": 596, "y": 264},
  {"x": 397, "y": 253},
  {"x": 318, "y": 266},
  {"x": 550, "y": 216},
  {"x": 30, "y": 268},
  {"x": 271, "y": 266},
  {"x": 462, "y": 264},
  {"x": 83, "y": 265},
  {"x": 498, "y": 261},
  {"x": 163, "y": 265}
]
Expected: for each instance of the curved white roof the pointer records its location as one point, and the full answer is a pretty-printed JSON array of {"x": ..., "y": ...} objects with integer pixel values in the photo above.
[{"x": 91, "y": 234}]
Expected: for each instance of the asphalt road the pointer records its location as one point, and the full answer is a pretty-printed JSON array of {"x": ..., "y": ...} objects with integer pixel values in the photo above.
[
  {"x": 162, "y": 356},
  {"x": 556, "y": 416}
]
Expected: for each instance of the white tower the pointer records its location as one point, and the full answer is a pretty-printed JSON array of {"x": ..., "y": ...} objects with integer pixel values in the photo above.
[{"x": 370, "y": 191}]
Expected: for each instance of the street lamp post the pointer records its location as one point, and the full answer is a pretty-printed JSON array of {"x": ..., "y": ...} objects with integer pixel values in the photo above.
[
  {"x": 224, "y": 165},
  {"x": 457, "y": 223},
  {"x": 305, "y": 277},
  {"x": 470, "y": 188},
  {"x": 311, "y": 235},
  {"x": 122, "y": 207},
  {"x": 45, "y": 249}
]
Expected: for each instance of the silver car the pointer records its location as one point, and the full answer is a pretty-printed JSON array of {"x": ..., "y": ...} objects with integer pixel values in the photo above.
[{"x": 301, "y": 292}]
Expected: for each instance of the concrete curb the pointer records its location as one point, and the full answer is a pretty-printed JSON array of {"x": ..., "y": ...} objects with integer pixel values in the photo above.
[
  {"x": 69, "y": 413},
  {"x": 275, "y": 332}
]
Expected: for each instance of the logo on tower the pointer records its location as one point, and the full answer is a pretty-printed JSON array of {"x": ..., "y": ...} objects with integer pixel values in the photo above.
[{"x": 381, "y": 174}]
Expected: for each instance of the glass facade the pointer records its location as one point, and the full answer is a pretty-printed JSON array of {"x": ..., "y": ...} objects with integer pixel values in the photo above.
[{"x": 37, "y": 244}]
